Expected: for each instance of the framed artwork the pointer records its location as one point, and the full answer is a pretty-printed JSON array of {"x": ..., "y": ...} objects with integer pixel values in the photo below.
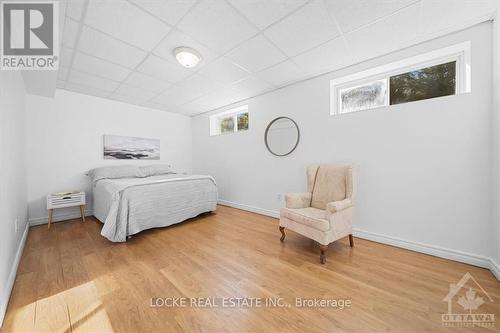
[{"x": 130, "y": 148}]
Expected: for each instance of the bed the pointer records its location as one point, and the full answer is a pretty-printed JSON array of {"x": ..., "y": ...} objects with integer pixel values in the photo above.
[{"x": 128, "y": 200}]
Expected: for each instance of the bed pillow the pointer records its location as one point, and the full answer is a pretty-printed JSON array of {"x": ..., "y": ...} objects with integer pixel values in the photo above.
[
  {"x": 115, "y": 172},
  {"x": 156, "y": 169}
]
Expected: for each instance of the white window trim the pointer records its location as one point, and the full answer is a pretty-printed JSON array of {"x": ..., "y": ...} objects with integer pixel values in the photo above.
[
  {"x": 215, "y": 126},
  {"x": 461, "y": 53}
]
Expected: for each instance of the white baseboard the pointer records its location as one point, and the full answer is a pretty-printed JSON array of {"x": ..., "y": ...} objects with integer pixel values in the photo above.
[
  {"x": 58, "y": 217},
  {"x": 437, "y": 251},
  {"x": 252, "y": 209},
  {"x": 4, "y": 302},
  {"x": 495, "y": 268},
  {"x": 433, "y": 250}
]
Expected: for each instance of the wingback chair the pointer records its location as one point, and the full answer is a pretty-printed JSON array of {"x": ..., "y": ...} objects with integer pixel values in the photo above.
[{"x": 324, "y": 213}]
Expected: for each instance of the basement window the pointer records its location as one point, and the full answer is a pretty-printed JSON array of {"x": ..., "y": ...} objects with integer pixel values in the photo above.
[
  {"x": 230, "y": 121},
  {"x": 442, "y": 72}
]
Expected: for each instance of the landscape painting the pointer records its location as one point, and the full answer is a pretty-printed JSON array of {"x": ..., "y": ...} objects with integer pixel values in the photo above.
[{"x": 130, "y": 148}]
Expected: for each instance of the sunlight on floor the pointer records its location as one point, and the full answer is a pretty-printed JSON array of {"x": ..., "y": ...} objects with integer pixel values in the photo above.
[{"x": 75, "y": 309}]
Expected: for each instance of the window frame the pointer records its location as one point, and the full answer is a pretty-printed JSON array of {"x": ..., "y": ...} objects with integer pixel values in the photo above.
[
  {"x": 458, "y": 52},
  {"x": 216, "y": 118}
]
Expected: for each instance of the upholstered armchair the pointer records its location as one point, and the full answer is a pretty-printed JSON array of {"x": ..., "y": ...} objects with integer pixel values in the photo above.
[{"x": 324, "y": 213}]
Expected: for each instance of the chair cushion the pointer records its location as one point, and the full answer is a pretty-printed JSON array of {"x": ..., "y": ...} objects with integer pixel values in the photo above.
[
  {"x": 312, "y": 217},
  {"x": 330, "y": 185}
]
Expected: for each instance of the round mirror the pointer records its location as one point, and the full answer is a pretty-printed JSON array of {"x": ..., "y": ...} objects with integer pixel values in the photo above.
[{"x": 282, "y": 136}]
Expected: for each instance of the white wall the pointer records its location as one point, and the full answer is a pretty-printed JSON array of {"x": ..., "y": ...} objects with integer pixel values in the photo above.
[
  {"x": 425, "y": 166},
  {"x": 65, "y": 140},
  {"x": 12, "y": 179},
  {"x": 496, "y": 137}
]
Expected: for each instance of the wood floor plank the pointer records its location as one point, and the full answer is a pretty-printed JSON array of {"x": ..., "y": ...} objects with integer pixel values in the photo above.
[
  {"x": 72, "y": 279},
  {"x": 22, "y": 305},
  {"x": 52, "y": 314}
]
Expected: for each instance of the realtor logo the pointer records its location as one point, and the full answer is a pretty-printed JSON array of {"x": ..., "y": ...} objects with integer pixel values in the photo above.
[
  {"x": 29, "y": 38},
  {"x": 470, "y": 299}
]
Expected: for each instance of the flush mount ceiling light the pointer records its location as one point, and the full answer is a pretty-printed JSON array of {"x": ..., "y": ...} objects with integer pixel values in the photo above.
[{"x": 187, "y": 56}]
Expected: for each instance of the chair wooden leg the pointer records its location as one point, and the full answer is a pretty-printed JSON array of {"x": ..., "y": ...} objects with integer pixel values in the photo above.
[
  {"x": 322, "y": 257},
  {"x": 282, "y": 229},
  {"x": 351, "y": 240}
]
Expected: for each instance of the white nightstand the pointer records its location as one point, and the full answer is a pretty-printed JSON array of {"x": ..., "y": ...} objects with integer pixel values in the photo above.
[{"x": 66, "y": 199}]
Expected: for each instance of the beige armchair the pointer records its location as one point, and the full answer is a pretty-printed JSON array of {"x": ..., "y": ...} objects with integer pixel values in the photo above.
[{"x": 324, "y": 213}]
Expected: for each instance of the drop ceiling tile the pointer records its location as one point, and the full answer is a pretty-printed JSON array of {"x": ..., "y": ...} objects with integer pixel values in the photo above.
[
  {"x": 223, "y": 71},
  {"x": 251, "y": 86},
  {"x": 191, "y": 112},
  {"x": 125, "y": 99},
  {"x": 282, "y": 74},
  {"x": 352, "y": 14},
  {"x": 325, "y": 58},
  {"x": 156, "y": 106},
  {"x": 163, "y": 69},
  {"x": 126, "y": 22},
  {"x": 196, "y": 106},
  {"x": 306, "y": 28},
  {"x": 216, "y": 99},
  {"x": 86, "y": 89},
  {"x": 147, "y": 82},
  {"x": 202, "y": 104},
  {"x": 139, "y": 94},
  {"x": 265, "y": 12},
  {"x": 389, "y": 34},
  {"x": 200, "y": 84},
  {"x": 217, "y": 25},
  {"x": 256, "y": 54},
  {"x": 65, "y": 54},
  {"x": 445, "y": 14},
  {"x": 184, "y": 111},
  {"x": 95, "y": 82},
  {"x": 98, "y": 67},
  {"x": 170, "y": 11},
  {"x": 74, "y": 9},
  {"x": 70, "y": 32},
  {"x": 174, "y": 96},
  {"x": 225, "y": 97},
  {"x": 176, "y": 39},
  {"x": 102, "y": 46}
]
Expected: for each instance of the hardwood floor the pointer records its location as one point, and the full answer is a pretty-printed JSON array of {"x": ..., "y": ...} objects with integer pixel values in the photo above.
[{"x": 72, "y": 279}]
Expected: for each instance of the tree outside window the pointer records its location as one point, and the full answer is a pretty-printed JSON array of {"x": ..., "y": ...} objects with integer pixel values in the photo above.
[
  {"x": 243, "y": 121},
  {"x": 227, "y": 125}
]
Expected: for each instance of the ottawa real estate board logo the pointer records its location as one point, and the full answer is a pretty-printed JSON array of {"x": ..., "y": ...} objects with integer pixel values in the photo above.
[
  {"x": 29, "y": 36},
  {"x": 464, "y": 301}
]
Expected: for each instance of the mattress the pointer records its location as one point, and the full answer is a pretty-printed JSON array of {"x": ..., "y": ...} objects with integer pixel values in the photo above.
[{"x": 129, "y": 205}]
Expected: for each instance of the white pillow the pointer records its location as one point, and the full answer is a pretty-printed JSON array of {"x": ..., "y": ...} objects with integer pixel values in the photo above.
[
  {"x": 156, "y": 169},
  {"x": 115, "y": 172}
]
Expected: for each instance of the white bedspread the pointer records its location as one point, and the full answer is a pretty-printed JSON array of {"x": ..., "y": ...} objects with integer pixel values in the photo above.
[{"x": 130, "y": 205}]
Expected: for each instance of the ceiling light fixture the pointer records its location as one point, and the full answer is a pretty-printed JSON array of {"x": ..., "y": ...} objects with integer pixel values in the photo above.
[{"x": 187, "y": 56}]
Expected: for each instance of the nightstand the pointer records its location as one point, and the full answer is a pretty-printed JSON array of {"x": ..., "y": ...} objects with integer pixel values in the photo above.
[{"x": 66, "y": 199}]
